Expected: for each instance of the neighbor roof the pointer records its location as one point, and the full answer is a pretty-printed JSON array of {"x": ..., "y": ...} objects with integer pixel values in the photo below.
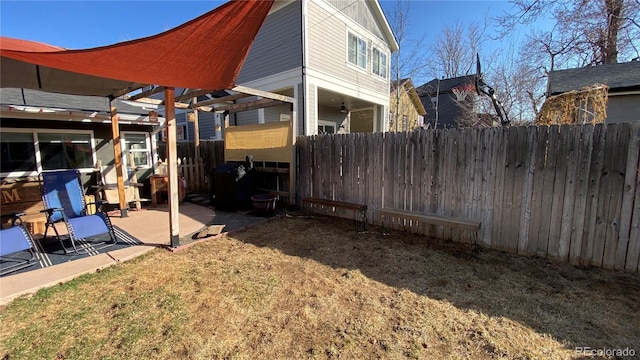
[
  {"x": 35, "y": 98},
  {"x": 444, "y": 85},
  {"x": 204, "y": 53},
  {"x": 617, "y": 77}
]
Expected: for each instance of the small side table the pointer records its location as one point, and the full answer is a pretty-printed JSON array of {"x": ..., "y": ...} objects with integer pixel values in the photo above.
[{"x": 158, "y": 183}]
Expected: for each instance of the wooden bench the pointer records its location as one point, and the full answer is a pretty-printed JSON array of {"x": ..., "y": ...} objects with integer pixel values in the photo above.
[
  {"x": 357, "y": 208},
  {"x": 435, "y": 219}
]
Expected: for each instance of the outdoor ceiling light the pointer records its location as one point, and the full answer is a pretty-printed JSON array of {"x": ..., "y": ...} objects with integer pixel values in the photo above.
[{"x": 343, "y": 109}]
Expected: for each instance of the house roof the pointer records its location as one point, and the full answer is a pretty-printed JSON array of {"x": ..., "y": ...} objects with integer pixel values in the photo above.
[
  {"x": 444, "y": 85},
  {"x": 35, "y": 98},
  {"x": 618, "y": 77},
  {"x": 386, "y": 28},
  {"x": 180, "y": 57}
]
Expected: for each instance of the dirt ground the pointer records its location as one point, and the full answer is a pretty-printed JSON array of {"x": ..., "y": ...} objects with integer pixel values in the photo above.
[{"x": 297, "y": 287}]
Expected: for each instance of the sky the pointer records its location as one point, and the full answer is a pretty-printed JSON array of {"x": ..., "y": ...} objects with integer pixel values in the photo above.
[{"x": 74, "y": 24}]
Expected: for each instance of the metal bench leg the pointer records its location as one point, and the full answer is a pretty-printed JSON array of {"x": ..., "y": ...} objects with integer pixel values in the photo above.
[{"x": 475, "y": 247}]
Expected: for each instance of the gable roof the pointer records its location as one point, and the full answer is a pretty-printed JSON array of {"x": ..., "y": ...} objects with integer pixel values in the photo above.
[
  {"x": 444, "y": 85},
  {"x": 618, "y": 77},
  {"x": 411, "y": 92},
  {"x": 386, "y": 28},
  {"x": 180, "y": 57}
]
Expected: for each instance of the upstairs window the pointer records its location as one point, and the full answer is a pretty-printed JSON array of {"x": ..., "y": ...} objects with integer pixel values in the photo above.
[
  {"x": 379, "y": 63},
  {"x": 357, "y": 51}
]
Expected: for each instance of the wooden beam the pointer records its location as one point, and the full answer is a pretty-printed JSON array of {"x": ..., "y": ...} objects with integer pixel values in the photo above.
[
  {"x": 172, "y": 162},
  {"x": 221, "y": 100},
  {"x": 147, "y": 100},
  {"x": 196, "y": 131},
  {"x": 264, "y": 94},
  {"x": 162, "y": 102},
  {"x": 193, "y": 94},
  {"x": 117, "y": 157},
  {"x": 127, "y": 90},
  {"x": 155, "y": 90},
  {"x": 251, "y": 105}
]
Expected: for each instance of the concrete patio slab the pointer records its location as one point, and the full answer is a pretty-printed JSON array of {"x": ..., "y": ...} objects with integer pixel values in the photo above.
[{"x": 150, "y": 226}]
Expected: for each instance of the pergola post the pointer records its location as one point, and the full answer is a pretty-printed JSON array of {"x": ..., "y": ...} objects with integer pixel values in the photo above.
[
  {"x": 196, "y": 130},
  {"x": 117, "y": 158},
  {"x": 173, "y": 188}
]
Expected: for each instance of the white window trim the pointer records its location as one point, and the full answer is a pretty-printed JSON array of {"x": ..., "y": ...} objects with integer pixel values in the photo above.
[
  {"x": 373, "y": 73},
  {"x": 328, "y": 123},
  {"x": 36, "y": 146},
  {"x": 149, "y": 151},
  {"x": 351, "y": 65}
]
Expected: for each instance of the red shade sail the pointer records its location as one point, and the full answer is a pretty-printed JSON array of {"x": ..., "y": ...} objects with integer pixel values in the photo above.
[{"x": 204, "y": 53}]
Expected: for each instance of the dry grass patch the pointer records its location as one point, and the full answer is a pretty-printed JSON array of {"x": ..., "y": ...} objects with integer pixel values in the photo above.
[{"x": 301, "y": 288}]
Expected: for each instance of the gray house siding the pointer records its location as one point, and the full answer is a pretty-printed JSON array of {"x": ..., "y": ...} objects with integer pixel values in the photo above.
[
  {"x": 277, "y": 47},
  {"x": 330, "y": 57},
  {"x": 206, "y": 126},
  {"x": 272, "y": 114},
  {"x": 623, "y": 109},
  {"x": 246, "y": 118}
]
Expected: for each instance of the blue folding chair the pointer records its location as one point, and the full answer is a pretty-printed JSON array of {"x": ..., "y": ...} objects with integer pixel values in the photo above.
[
  {"x": 17, "y": 250},
  {"x": 63, "y": 198}
]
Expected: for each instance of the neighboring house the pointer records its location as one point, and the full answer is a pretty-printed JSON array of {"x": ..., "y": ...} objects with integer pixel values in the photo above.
[
  {"x": 46, "y": 131},
  {"x": 406, "y": 110},
  {"x": 332, "y": 57},
  {"x": 623, "y": 80},
  {"x": 444, "y": 110}
]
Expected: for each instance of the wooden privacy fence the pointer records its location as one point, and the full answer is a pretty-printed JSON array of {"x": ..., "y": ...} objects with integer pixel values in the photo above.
[
  {"x": 194, "y": 173},
  {"x": 211, "y": 152},
  {"x": 567, "y": 192}
]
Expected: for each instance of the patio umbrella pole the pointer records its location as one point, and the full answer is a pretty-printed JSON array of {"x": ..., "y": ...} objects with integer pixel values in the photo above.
[{"x": 172, "y": 158}]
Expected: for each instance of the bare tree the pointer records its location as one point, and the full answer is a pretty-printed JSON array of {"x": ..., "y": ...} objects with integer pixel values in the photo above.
[
  {"x": 406, "y": 62},
  {"x": 586, "y": 32},
  {"x": 454, "y": 51}
]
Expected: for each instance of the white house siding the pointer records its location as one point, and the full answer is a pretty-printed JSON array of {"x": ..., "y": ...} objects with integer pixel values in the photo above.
[
  {"x": 311, "y": 107},
  {"x": 328, "y": 59},
  {"x": 328, "y": 66},
  {"x": 275, "y": 59},
  {"x": 360, "y": 13}
]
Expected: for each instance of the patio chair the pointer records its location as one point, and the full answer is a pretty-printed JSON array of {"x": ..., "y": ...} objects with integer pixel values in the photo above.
[
  {"x": 63, "y": 199},
  {"x": 17, "y": 249}
]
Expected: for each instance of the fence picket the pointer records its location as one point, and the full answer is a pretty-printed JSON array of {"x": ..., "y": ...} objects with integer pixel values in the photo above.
[
  {"x": 582, "y": 187},
  {"x": 595, "y": 174},
  {"x": 631, "y": 205},
  {"x": 572, "y": 140},
  {"x": 618, "y": 168},
  {"x": 567, "y": 192}
]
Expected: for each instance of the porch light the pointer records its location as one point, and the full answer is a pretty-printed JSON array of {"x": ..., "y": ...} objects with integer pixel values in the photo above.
[{"x": 343, "y": 109}]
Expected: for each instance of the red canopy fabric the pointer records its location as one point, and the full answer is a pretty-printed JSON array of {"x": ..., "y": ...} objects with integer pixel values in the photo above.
[{"x": 204, "y": 53}]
